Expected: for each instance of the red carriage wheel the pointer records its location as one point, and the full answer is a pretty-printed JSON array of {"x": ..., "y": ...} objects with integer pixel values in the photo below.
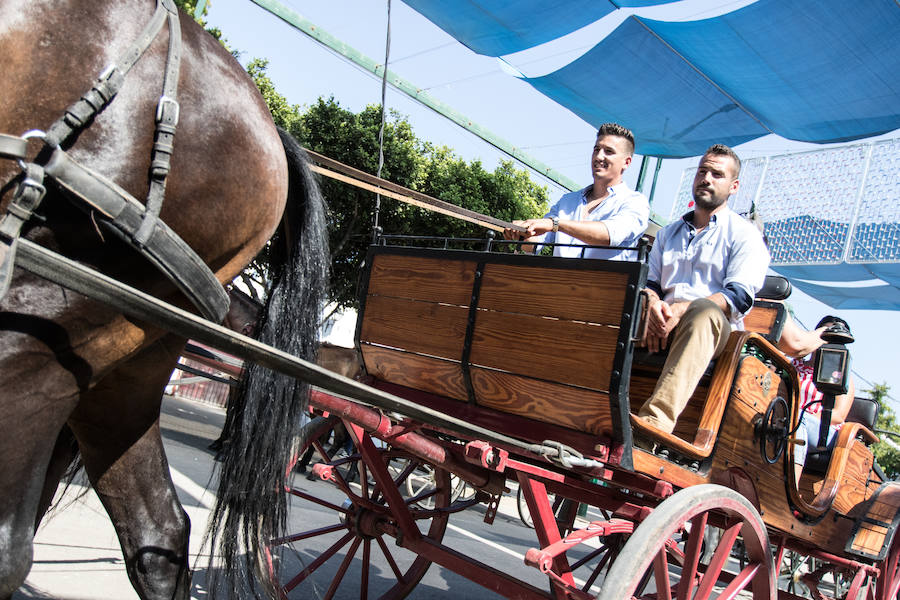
[
  {"x": 888, "y": 583},
  {"x": 352, "y": 541},
  {"x": 654, "y": 564}
]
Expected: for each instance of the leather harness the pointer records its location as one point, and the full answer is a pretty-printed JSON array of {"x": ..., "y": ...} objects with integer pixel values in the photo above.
[{"x": 135, "y": 223}]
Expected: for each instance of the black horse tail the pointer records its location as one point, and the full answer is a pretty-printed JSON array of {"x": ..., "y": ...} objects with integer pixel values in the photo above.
[{"x": 251, "y": 505}]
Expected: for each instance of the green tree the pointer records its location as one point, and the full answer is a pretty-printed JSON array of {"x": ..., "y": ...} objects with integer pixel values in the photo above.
[
  {"x": 285, "y": 114},
  {"x": 352, "y": 139},
  {"x": 886, "y": 452},
  {"x": 326, "y": 127},
  {"x": 190, "y": 7}
]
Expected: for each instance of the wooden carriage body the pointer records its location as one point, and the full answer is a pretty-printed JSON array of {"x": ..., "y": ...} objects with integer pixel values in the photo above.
[{"x": 544, "y": 348}]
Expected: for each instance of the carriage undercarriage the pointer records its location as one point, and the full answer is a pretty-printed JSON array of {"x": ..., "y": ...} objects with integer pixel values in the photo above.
[{"x": 677, "y": 526}]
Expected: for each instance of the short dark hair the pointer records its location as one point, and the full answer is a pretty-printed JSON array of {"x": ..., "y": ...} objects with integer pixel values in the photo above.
[
  {"x": 723, "y": 150},
  {"x": 618, "y": 131}
]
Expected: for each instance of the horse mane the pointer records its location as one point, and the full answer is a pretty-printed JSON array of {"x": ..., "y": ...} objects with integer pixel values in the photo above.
[{"x": 251, "y": 507}]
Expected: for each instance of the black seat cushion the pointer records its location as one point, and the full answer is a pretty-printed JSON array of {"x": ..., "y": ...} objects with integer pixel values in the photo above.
[
  {"x": 776, "y": 287},
  {"x": 863, "y": 410}
]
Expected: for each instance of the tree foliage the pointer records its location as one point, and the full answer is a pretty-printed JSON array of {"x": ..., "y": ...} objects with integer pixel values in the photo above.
[
  {"x": 886, "y": 452},
  {"x": 352, "y": 138}
]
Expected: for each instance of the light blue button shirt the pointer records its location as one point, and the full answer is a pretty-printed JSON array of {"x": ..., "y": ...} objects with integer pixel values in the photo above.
[
  {"x": 688, "y": 265},
  {"x": 624, "y": 211}
]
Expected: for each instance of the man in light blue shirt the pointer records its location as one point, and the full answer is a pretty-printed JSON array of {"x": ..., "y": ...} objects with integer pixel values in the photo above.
[
  {"x": 605, "y": 213},
  {"x": 705, "y": 269}
]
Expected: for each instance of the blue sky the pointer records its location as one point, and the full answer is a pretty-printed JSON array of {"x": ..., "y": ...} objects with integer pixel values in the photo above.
[{"x": 477, "y": 86}]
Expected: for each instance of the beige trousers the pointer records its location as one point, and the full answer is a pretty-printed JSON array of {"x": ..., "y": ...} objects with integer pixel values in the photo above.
[{"x": 701, "y": 336}]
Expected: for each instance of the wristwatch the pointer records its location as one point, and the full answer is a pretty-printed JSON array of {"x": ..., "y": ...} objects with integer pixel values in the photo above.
[{"x": 555, "y": 221}]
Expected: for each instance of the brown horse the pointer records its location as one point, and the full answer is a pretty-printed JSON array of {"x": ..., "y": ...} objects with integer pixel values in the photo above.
[{"x": 72, "y": 366}]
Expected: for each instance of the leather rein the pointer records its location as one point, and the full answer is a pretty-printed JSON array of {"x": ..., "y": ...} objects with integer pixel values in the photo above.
[{"x": 135, "y": 223}]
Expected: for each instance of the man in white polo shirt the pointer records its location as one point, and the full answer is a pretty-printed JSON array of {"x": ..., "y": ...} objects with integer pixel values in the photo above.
[{"x": 605, "y": 213}]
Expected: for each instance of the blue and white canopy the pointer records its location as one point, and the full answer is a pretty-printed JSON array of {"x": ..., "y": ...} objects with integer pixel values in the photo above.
[{"x": 808, "y": 70}]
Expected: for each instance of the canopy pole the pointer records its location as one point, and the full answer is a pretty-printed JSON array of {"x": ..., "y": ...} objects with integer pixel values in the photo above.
[
  {"x": 655, "y": 178},
  {"x": 642, "y": 174}
]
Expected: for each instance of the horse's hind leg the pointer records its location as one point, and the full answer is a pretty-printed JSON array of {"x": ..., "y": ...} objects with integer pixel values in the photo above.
[{"x": 117, "y": 426}]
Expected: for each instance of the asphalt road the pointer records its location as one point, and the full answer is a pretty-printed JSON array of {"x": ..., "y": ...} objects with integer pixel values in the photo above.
[{"x": 77, "y": 555}]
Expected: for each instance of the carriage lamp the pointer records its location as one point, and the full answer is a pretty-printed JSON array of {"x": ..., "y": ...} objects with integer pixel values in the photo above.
[
  {"x": 832, "y": 369},
  {"x": 831, "y": 374}
]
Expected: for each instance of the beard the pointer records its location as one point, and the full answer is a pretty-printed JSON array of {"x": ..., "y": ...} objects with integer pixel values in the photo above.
[{"x": 710, "y": 202}]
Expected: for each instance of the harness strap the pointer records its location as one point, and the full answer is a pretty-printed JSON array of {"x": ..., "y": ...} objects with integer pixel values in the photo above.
[
  {"x": 138, "y": 225},
  {"x": 21, "y": 208},
  {"x": 13, "y": 146},
  {"x": 108, "y": 83},
  {"x": 124, "y": 216},
  {"x": 167, "y": 112}
]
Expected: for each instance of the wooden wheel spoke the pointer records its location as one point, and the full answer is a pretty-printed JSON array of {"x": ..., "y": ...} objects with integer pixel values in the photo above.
[
  {"x": 390, "y": 559},
  {"x": 296, "y": 537},
  {"x": 718, "y": 560},
  {"x": 364, "y": 575},
  {"x": 316, "y": 500},
  {"x": 661, "y": 575},
  {"x": 603, "y": 550},
  {"x": 692, "y": 551},
  {"x": 318, "y": 562},
  {"x": 739, "y": 582},
  {"x": 342, "y": 570}
]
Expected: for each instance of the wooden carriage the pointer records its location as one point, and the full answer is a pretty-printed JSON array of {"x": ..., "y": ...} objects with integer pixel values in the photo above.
[{"x": 541, "y": 350}]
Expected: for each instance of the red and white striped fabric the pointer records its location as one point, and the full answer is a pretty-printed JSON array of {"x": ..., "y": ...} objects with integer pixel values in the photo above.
[{"x": 808, "y": 391}]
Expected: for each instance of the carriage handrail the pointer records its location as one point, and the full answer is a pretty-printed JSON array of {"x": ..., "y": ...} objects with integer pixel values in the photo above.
[{"x": 137, "y": 304}]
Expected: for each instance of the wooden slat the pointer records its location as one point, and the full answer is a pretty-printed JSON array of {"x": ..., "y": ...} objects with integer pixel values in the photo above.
[
  {"x": 886, "y": 505},
  {"x": 550, "y": 403},
  {"x": 581, "y": 295},
  {"x": 423, "y": 327},
  {"x": 422, "y": 278},
  {"x": 563, "y": 351},
  {"x": 642, "y": 384},
  {"x": 853, "y": 488},
  {"x": 869, "y": 539},
  {"x": 760, "y": 319},
  {"x": 411, "y": 370}
]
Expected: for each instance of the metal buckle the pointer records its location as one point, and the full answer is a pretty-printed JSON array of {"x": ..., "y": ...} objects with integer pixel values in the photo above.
[
  {"x": 165, "y": 101},
  {"x": 33, "y": 133}
]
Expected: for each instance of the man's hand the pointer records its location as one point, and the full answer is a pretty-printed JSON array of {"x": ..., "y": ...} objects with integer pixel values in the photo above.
[
  {"x": 534, "y": 227},
  {"x": 662, "y": 318}
]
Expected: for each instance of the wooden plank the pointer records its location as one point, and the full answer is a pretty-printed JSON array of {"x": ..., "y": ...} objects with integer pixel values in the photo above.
[
  {"x": 547, "y": 402},
  {"x": 576, "y": 294},
  {"x": 760, "y": 319},
  {"x": 641, "y": 386},
  {"x": 361, "y": 179},
  {"x": 853, "y": 489},
  {"x": 563, "y": 351},
  {"x": 869, "y": 539},
  {"x": 423, "y": 278},
  {"x": 440, "y": 377},
  {"x": 422, "y": 327}
]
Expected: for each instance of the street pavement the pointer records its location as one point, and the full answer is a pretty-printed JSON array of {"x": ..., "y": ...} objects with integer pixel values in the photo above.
[{"x": 77, "y": 555}]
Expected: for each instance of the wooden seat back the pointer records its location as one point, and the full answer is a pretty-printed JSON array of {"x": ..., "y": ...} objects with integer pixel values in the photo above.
[
  {"x": 545, "y": 338},
  {"x": 768, "y": 314}
]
